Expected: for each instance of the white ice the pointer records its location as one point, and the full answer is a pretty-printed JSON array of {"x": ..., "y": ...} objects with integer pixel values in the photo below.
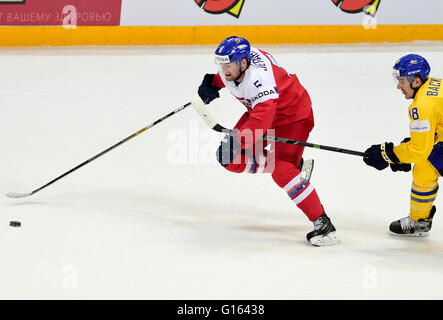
[{"x": 158, "y": 218}]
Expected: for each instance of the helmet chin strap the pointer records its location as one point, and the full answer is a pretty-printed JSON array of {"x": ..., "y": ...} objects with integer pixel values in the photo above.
[{"x": 415, "y": 90}]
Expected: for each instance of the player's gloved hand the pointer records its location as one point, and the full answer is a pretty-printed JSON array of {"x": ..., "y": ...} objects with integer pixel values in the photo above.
[
  {"x": 405, "y": 167},
  {"x": 207, "y": 90},
  {"x": 228, "y": 150},
  {"x": 380, "y": 156}
]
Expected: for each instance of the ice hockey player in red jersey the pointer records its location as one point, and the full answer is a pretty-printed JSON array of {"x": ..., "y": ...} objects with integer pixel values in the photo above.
[{"x": 276, "y": 102}]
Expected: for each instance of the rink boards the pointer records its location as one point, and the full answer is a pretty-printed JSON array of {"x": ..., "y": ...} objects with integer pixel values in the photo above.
[{"x": 192, "y": 22}]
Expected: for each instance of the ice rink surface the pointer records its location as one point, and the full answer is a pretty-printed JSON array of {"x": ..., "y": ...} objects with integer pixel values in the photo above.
[{"x": 159, "y": 218}]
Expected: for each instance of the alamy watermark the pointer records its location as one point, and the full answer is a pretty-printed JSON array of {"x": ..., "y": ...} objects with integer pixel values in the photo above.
[
  {"x": 370, "y": 18},
  {"x": 204, "y": 146},
  {"x": 69, "y": 17},
  {"x": 369, "y": 22},
  {"x": 369, "y": 280},
  {"x": 69, "y": 279}
]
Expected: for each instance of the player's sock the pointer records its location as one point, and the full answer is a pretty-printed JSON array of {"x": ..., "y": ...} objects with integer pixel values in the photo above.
[
  {"x": 303, "y": 194},
  {"x": 422, "y": 199}
]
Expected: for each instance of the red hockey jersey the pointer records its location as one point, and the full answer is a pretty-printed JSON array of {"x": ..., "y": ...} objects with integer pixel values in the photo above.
[{"x": 272, "y": 96}]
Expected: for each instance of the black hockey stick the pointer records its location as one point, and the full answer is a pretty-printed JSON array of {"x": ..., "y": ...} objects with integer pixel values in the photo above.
[
  {"x": 23, "y": 195},
  {"x": 313, "y": 145},
  {"x": 220, "y": 128},
  {"x": 210, "y": 121}
]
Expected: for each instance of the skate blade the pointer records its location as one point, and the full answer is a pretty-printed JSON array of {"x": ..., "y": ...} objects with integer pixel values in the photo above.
[
  {"x": 410, "y": 235},
  {"x": 322, "y": 241}
]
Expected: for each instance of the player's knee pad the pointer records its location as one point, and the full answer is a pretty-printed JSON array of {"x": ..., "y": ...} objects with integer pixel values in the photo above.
[
  {"x": 425, "y": 174},
  {"x": 283, "y": 172}
]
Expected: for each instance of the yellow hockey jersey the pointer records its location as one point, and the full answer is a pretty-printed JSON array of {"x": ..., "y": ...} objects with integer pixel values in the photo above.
[{"x": 426, "y": 126}]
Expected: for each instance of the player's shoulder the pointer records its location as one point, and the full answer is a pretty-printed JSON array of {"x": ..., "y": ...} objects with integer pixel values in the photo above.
[
  {"x": 258, "y": 82},
  {"x": 260, "y": 70},
  {"x": 430, "y": 89},
  {"x": 421, "y": 109},
  {"x": 429, "y": 97},
  {"x": 259, "y": 63},
  {"x": 260, "y": 88}
]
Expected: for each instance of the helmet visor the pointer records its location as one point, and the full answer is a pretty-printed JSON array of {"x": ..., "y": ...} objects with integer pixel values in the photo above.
[
  {"x": 227, "y": 67},
  {"x": 400, "y": 80}
]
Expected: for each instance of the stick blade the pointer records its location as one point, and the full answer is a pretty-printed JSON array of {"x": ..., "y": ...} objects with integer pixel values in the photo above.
[{"x": 16, "y": 195}]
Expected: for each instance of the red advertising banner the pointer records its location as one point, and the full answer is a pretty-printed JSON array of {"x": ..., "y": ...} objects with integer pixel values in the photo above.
[{"x": 60, "y": 12}]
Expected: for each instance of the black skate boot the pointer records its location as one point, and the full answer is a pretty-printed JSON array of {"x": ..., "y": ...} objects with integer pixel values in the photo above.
[
  {"x": 323, "y": 233},
  {"x": 408, "y": 227}
]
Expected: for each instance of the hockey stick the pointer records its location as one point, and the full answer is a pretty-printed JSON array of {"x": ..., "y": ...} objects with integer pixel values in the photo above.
[
  {"x": 23, "y": 195},
  {"x": 199, "y": 106}
]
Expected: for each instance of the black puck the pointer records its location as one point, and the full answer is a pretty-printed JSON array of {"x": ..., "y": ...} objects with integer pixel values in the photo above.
[{"x": 15, "y": 223}]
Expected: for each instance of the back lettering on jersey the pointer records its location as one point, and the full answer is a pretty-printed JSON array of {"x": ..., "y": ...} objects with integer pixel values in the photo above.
[
  {"x": 258, "y": 61},
  {"x": 434, "y": 87}
]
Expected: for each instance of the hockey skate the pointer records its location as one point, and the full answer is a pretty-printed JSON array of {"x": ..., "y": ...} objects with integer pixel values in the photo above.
[
  {"x": 408, "y": 227},
  {"x": 306, "y": 167},
  {"x": 323, "y": 233}
]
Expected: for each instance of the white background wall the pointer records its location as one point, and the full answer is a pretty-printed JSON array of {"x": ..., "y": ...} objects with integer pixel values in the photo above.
[{"x": 278, "y": 12}]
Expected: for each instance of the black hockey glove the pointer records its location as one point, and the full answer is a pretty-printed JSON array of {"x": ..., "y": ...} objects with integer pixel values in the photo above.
[
  {"x": 380, "y": 156},
  {"x": 405, "y": 167},
  {"x": 207, "y": 90},
  {"x": 228, "y": 150}
]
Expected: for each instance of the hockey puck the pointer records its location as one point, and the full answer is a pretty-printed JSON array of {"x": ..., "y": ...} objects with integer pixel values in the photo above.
[{"x": 15, "y": 223}]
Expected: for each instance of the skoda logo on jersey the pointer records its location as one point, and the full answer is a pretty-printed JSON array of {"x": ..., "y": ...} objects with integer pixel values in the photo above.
[
  {"x": 369, "y": 7},
  {"x": 262, "y": 94},
  {"x": 233, "y": 7}
]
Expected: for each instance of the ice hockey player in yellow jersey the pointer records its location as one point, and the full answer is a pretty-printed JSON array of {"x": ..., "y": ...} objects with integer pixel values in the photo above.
[{"x": 424, "y": 148}]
